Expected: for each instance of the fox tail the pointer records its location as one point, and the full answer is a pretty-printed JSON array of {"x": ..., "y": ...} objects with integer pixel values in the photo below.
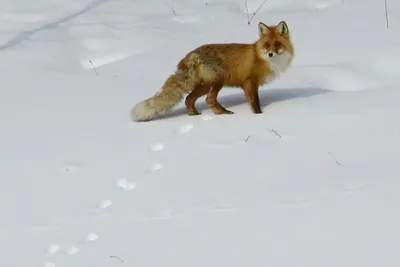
[{"x": 183, "y": 81}]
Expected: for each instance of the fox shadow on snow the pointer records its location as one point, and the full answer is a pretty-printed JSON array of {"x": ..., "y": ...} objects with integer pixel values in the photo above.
[{"x": 267, "y": 97}]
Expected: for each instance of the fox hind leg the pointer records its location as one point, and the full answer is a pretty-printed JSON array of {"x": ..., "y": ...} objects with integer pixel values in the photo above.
[
  {"x": 191, "y": 99},
  {"x": 213, "y": 102}
]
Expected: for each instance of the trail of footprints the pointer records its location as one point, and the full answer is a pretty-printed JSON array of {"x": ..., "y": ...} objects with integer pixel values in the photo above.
[
  {"x": 70, "y": 250},
  {"x": 123, "y": 184}
]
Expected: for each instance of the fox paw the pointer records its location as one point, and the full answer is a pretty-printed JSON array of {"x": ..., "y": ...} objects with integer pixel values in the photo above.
[
  {"x": 220, "y": 112},
  {"x": 193, "y": 113}
]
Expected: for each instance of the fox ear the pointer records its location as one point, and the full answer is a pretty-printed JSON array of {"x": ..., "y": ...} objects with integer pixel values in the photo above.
[
  {"x": 282, "y": 28},
  {"x": 262, "y": 29}
]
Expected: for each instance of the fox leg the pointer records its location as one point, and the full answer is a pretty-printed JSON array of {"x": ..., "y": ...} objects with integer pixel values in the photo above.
[
  {"x": 251, "y": 93},
  {"x": 191, "y": 99},
  {"x": 213, "y": 103}
]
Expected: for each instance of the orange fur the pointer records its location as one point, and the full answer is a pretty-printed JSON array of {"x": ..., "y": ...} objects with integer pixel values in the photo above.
[{"x": 208, "y": 68}]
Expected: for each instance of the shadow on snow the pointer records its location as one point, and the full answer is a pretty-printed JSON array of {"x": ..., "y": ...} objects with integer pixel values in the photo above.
[{"x": 267, "y": 97}]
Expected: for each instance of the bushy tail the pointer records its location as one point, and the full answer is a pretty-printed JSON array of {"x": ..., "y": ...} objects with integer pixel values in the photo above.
[{"x": 172, "y": 92}]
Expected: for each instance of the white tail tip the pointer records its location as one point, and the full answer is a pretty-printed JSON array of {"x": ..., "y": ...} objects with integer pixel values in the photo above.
[{"x": 142, "y": 112}]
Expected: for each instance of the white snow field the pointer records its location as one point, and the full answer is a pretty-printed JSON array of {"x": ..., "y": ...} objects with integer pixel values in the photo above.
[{"x": 312, "y": 181}]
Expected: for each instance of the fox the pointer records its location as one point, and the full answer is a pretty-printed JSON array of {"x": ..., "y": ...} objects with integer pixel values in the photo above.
[{"x": 210, "y": 67}]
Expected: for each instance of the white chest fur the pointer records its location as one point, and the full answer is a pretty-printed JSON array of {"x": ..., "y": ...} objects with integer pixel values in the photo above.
[{"x": 278, "y": 63}]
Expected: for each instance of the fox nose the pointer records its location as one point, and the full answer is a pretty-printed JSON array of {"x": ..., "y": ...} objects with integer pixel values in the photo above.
[{"x": 270, "y": 54}]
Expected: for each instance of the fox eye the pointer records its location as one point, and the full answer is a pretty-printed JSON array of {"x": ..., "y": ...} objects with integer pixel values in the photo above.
[
  {"x": 267, "y": 44},
  {"x": 276, "y": 43}
]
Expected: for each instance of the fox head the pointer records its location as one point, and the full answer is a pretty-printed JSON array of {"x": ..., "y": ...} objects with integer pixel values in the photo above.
[{"x": 274, "y": 45}]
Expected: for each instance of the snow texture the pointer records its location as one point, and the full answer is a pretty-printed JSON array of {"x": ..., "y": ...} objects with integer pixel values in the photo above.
[{"x": 312, "y": 181}]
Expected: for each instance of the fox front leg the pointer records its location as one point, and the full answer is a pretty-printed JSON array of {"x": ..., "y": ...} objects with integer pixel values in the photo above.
[{"x": 251, "y": 93}]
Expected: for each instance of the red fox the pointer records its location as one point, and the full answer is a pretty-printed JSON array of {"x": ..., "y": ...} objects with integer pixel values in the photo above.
[{"x": 208, "y": 68}]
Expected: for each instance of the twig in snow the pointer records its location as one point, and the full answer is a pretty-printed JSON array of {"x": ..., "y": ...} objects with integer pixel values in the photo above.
[
  {"x": 94, "y": 68},
  {"x": 247, "y": 139},
  {"x": 387, "y": 17},
  {"x": 275, "y": 132},
  {"x": 247, "y": 11},
  {"x": 121, "y": 260},
  {"x": 337, "y": 162},
  {"x": 173, "y": 7},
  {"x": 252, "y": 16}
]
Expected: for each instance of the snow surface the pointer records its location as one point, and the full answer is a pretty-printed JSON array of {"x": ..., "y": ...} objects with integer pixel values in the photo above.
[{"x": 313, "y": 181}]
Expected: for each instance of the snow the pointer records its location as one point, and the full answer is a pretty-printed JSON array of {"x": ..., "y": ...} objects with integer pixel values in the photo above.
[{"x": 312, "y": 181}]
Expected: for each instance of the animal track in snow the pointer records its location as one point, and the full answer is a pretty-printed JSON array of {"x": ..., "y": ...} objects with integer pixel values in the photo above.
[
  {"x": 157, "y": 147},
  {"x": 101, "y": 206},
  {"x": 53, "y": 248},
  {"x": 72, "y": 250},
  {"x": 91, "y": 237},
  {"x": 104, "y": 204},
  {"x": 125, "y": 185},
  {"x": 155, "y": 167},
  {"x": 185, "y": 128}
]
